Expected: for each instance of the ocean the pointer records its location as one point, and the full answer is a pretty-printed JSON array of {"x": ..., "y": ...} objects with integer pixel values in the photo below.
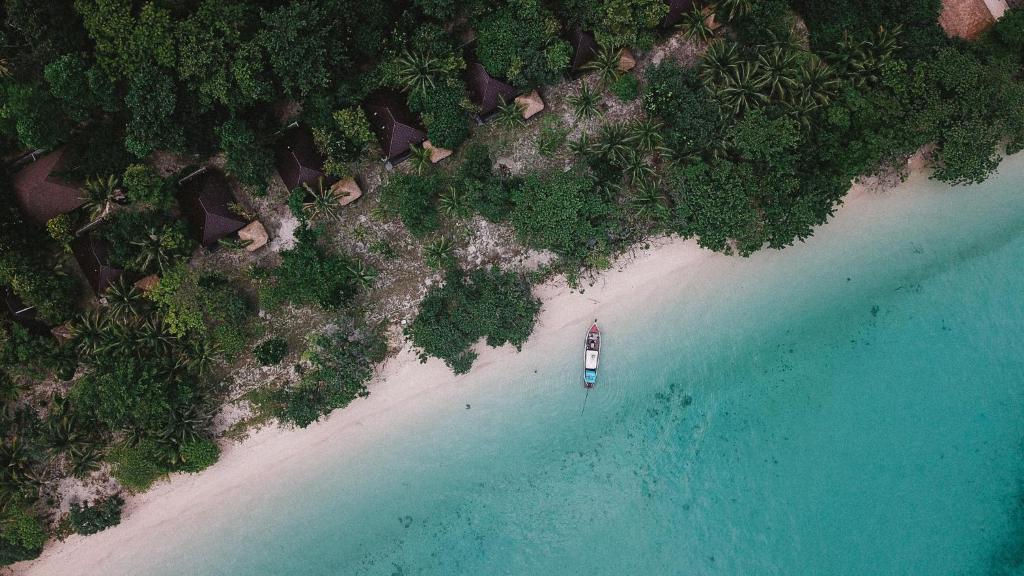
[{"x": 852, "y": 405}]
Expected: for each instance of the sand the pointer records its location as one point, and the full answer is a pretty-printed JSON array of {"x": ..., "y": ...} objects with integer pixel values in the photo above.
[{"x": 404, "y": 391}]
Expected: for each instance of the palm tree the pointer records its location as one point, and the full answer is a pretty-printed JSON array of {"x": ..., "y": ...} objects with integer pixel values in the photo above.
[
  {"x": 862, "y": 62},
  {"x": 156, "y": 246},
  {"x": 362, "y": 273},
  {"x": 583, "y": 147},
  {"x": 322, "y": 202},
  {"x": 647, "y": 202},
  {"x": 18, "y": 474},
  {"x": 606, "y": 64},
  {"x": 419, "y": 157},
  {"x": 637, "y": 168},
  {"x": 780, "y": 71},
  {"x": 90, "y": 333},
  {"x": 153, "y": 336},
  {"x": 10, "y": 391},
  {"x": 733, "y": 9},
  {"x": 439, "y": 253},
  {"x": 417, "y": 72},
  {"x": 61, "y": 430},
  {"x": 585, "y": 102},
  {"x": 695, "y": 25},
  {"x": 85, "y": 459},
  {"x": 743, "y": 89},
  {"x": 200, "y": 355},
  {"x": 613, "y": 142},
  {"x": 801, "y": 110},
  {"x": 99, "y": 196},
  {"x": 719, "y": 59},
  {"x": 817, "y": 80},
  {"x": 510, "y": 114},
  {"x": 124, "y": 300},
  {"x": 454, "y": 203},
  {"x": 646, "y": 135}
]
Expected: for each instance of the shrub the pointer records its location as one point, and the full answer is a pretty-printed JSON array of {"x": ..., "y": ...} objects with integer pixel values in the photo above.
[
  {"x": 520, "y": 42},
  {"x": 97, "y": 516},
  {"x": 198, "y": 455},
  {"x": 197, "y": 304},
  {"x": 443, "y": 113},
  {"x": 309, "y": 275},
  {"x": 127, "y": 233},
  {"x": 248, "y": 159},
  {"x": 21, "y": 535},
  {"x": 344, "y": 139},
  {"x": 626, "y": 88},
  {"x": 271, "y": 351},
  {"x": 414, "y": 198},
  {"x": 137, "y": 467},
  {"x": 62, "y": 231},
  {"x": 557, "y": 212},
  {"x": 142, "y": 184},
  {"x": 486, "y": 303}
]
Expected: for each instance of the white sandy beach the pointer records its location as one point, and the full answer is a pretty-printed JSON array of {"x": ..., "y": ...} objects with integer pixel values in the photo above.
[{"x": 407, "y": 390}]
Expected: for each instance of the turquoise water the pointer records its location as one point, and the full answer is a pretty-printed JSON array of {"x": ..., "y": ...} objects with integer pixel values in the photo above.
[{"x": 850, "y": 406}]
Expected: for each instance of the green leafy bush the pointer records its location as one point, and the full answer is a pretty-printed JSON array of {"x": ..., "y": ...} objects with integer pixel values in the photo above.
[
  {"x": 557, "y": 212},
  {"x": 21, "y": 535},
  {"x": 96, "y": 516},
  {"x": 309, "y": 275},
  {"x": 520, "y": 42},
  {"x": 137, "y": 466},
  {"x": 143, "y": 184},
  {"x": 414, "y": 198},
  {"x": 626, "y": 88},
  {"x": 443, "y": 113},
  {"x": 344, "y": 139},
  {"x": 486, "y": 303},
  {"x": 248, "y": 158},
  {"x": 198, "y": 304},
  {"x": 271, "y": 351},
  {"x": 145, "y": 241},
  {"x": 198, "y": 455},
  {"x": 615, "y": 23}
]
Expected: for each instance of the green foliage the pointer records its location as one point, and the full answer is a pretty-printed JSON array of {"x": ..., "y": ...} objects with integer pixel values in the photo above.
[
  {"x": 143, "y": 241},
  {"x": 35, "y": 115},
  {"x": 198, "y": 455},
  {"x": 444, "y": 113},
  {"x": 21, "y": 535},
  {"x": 345, "y": 139},
  {"x": 486, "y": 303},
  {"x": 61, "y": 229},
  {"x": 616, "y": 23},
  {"x": 309, "y": 275},
  {"x": 692, "y": 120},
  {"x": 414, "y": 198},
  {"x": 142, "y": 184},
  {"x": 485, "y": 191},
  {"x": 585, "y": 102},
  {"x": 248, "y": 158},
  {"x": 520, "y": 42},
  {"x": 716, "y": 204},
  {"x": 69, "y": 81},
  {"x": 137, "y": 466},
  {"x": 271, "y": 351},
  {"x": 340, "y": 365},
  {"x": 151, "y": 102},
  {"x": 626, "y": 88},
  {"x": 557, "y": 212},
  {"x": 96, "y": 516},
  {"x": 203, "y": 305},
  {"x": 551, "y": 137},
  {"x": 127, "y": 43},
  {"x": 297, "y": 39}
]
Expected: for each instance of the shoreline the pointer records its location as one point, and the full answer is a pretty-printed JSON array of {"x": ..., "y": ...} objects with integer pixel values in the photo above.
[{"x": 404, "y": 390}]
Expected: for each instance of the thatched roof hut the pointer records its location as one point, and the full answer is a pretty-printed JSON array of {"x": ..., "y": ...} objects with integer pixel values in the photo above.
[
  {"x": 206, "y": 200},
  {"x": 40, "y": 190},
  {"x": 486, "y": 91},
  {"x": 396, "y": 128},
  {"x": 297, "y": 158},
  {"x": 969, "y": 18},
  {"x": 93, "y": 257}
]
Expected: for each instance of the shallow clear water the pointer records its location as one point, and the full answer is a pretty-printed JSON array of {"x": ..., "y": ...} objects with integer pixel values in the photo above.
[{"x": 850, "y": 406}]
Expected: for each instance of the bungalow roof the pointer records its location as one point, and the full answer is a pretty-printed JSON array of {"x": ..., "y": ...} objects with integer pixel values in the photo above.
[
  {"x": 93, "y": 257},
  {"x": 41, "y": 192},
  {"x": 297, "y": 158},
  {"x": 396, "y": 127},
  {"x": 206, "y": 201}
]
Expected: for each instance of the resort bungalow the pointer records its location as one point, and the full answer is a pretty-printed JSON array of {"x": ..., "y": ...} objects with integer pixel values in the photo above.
[
  {"x": 397, "y": 128},
  {"x": 584, "y": 49},
  {"x": 298, "y": 159},
  {"x": 41, "y": 192},
  {"x": 676, "y": 10},
  {"x": 205, "y": 200},
  {"x": 967, "y": 19},
  {"x": 486, "y": 91},
  {"x": 93, "y": 257}
]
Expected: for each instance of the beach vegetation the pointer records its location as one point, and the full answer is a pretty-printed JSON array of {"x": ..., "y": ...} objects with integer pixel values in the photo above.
[
  {"x": 95, "y": 516},
  {"x": 271, "y": 351}
]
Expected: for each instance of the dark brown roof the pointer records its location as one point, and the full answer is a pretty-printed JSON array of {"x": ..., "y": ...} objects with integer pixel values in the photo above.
[
  {"x": 486, "y": 91},
  {"x": 584, "y": 48},
  {"x": 41, "y": 193},
  {"x": 395, "y": 126},
  {"x": 23, "y": 314},
  {"x": 93, "y": 258},
  {"x": 676, "y": 10},
  {"x": 298, "y": 160},
  {"x": 205, "y": 200}
]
